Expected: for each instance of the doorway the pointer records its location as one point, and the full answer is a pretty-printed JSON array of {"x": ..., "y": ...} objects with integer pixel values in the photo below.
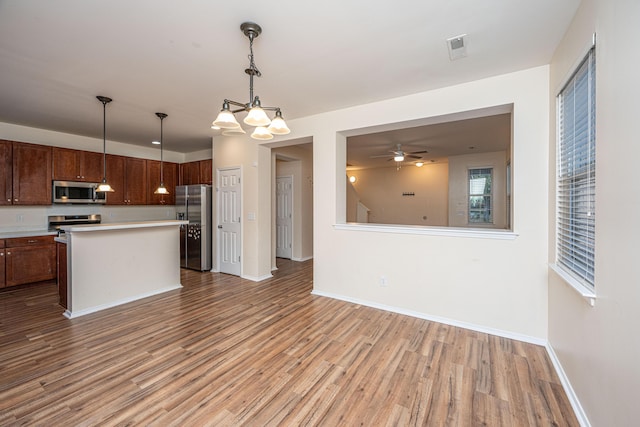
[
  {"x": 284, "y": 216},
  {"x": 229, "y": 216}
]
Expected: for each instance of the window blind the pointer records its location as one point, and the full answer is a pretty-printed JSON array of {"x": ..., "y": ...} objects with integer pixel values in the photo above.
[{"x": 576, "y": 174}]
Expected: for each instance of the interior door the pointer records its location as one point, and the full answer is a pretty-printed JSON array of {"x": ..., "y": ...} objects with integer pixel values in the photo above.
[
  {"x": 284, "y": 216},
  {"x": 229, "y": 225}
]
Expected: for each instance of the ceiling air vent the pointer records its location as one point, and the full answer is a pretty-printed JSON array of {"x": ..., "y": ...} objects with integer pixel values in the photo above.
[{"x": 457, "y": 47}]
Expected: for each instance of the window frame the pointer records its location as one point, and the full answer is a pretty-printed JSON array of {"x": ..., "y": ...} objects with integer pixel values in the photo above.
[
  {"x": 576, "y": 177},
  {"x": 484, "y": 194}
]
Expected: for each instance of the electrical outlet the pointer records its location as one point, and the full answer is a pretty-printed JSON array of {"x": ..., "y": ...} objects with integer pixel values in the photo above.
[
  {"x": 19, "y": 218},
  {"x": 383, "y": 281}
]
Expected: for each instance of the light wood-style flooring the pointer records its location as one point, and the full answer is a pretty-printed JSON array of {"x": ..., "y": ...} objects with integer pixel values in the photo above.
[{"x": 223, "y": 351}]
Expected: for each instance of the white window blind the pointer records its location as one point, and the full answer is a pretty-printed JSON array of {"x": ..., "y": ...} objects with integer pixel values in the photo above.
[{"x": 576, "y": 174}]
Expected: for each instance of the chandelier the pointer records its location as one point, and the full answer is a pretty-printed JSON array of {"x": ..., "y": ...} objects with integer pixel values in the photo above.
[{"x": 265, "y": 128}]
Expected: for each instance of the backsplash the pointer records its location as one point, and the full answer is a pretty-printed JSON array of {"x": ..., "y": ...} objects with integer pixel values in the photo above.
[{"x": 17, "y": 218}]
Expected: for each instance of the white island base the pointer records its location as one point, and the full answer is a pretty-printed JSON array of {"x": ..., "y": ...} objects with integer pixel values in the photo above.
[{"x": 113, "y": 264}]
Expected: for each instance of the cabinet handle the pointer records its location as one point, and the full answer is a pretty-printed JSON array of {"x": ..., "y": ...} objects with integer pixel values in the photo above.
[
  {"x": 15, "y": 200},
  {"x": 8, "y": 200},
  {"x": 1, "y": 253},
  {"x": 8, "y": 253},
  {"x": 32, "y": 241}
]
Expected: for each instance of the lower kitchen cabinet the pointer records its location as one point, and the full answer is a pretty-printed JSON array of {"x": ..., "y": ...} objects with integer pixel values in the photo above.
[
  {"x": 29, "y": 259},
  {"x": 2, "y": 263}
]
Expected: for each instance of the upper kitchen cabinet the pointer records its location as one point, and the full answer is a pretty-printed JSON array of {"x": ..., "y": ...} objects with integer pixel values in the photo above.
[
  {"x": 198, "y": 172},
  {"x": 6, "y": 173},
  {"x": 128, "y": 177},
  {"x": 169, "y": 175},
  {"x": 190, "y": 173},
  {"x": 76, "y": 165},
  {"x": 206, "y": 176},
  {"x": 31, "y": 175}
]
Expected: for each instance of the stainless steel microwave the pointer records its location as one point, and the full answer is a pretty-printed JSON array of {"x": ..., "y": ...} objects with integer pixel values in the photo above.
[{"x": 77, "y": 192}]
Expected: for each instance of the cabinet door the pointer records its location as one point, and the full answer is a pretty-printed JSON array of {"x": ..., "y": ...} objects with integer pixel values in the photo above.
[
  {"x": 6, "y": 174},
  {"x": 206, "y": 176},
  {"x": 66, "y": 164},
  {"x": 2, "y": 257},
  {"x": 115, "y": 178},
  {"x": 28, "y": 264},
  {"x": 91, "y": 166},
  {"x": 31, "y": 174},
  {"x": 153, "y": 179},
  {"x": 190, "y": 173},
  {"x": 136, "y": 181}
]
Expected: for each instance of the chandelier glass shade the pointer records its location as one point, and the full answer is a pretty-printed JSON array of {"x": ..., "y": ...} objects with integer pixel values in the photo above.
[{"x": 256, "y": 113}]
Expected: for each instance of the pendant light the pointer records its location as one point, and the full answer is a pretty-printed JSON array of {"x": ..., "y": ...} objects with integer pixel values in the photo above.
[
  {"x": 103, "y": 186},
  {"x": 161, "y": 189},
  {"x": 264, "y": 127}
]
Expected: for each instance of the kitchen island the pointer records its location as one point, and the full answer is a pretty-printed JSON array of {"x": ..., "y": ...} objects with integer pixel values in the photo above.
[{"x": 112, "y": 264}]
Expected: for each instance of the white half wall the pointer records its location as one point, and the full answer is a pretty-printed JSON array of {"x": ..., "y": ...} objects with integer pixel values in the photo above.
[{"x": 495, "y": 284}]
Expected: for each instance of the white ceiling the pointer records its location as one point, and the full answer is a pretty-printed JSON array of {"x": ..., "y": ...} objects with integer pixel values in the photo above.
[{"x": 184, "y": 57}]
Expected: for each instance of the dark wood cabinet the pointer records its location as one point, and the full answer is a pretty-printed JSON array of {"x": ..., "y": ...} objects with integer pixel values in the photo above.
[
  {"x": 190, "y": 173},
  {"x": 2, "y": 263},
  {"x": 206, "y": 176},
  {"x": 61, "y": 264},
  {"x": 170, "y": 173},
  {"x": 31, "y": 174},
  {"x": 77, "y": 165},
  {"x": 6, "y": 174},
  {"x": 128, "y": 177},
  {"x": 29, "y": 259},
  {"x": 198, "y": 172}
]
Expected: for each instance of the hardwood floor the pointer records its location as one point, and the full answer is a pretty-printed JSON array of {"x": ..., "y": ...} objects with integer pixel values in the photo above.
[{"x": 226, "y": 351}]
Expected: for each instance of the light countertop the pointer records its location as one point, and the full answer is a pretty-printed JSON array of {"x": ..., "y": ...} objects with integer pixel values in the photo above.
[
  {"x": 121, "y": 226},
  {"x": 26, "y": 233}
]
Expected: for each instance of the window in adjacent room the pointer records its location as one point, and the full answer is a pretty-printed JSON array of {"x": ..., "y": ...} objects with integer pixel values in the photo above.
[
  {"x": 576, "y": 174},
  {"x": 480, "y": 181}
]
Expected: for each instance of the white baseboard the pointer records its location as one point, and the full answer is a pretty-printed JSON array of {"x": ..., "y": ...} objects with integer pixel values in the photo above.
[
  {"x": 307, "y": 258},
  {"x": 72, "y": 315},
  {"x": 566, "y": 384}
]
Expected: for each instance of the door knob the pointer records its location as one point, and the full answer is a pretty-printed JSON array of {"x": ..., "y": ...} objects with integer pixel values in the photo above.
[{"x": 219, "y": 226}]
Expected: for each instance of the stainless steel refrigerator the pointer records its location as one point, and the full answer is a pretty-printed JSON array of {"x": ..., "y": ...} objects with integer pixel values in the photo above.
[{"x": 193, "y": 203}]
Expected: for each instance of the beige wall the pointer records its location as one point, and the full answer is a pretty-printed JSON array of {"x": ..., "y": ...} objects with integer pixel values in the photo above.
[
  {"x": 461, "y": 280},
  {"x": 459, "y": 185},
  {"x": 381, "y": 189},
  {"x": 598, "y": 347}
]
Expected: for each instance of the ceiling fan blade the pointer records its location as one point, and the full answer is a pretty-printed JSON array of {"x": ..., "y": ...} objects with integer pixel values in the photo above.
[
  {"x": 418, "y": 152},
  {"x": 380, "y": 156},
  {"x": 412, "y": 156}
]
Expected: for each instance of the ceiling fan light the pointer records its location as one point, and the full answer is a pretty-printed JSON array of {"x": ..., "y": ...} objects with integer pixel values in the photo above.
[
  {"x": 226, "y": 119},
  {"x": 233, "y": 132},
  {"x": 278, "y": 125},
  {"x": 419, "y": 164},
  {"x": 398, "y": 158},
  {"x": 257, "y": 117},
  {"x": 262, "y": 133}
]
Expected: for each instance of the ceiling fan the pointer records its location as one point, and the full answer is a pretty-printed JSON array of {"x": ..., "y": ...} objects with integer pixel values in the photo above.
[{"x": 399, "y": 155}]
